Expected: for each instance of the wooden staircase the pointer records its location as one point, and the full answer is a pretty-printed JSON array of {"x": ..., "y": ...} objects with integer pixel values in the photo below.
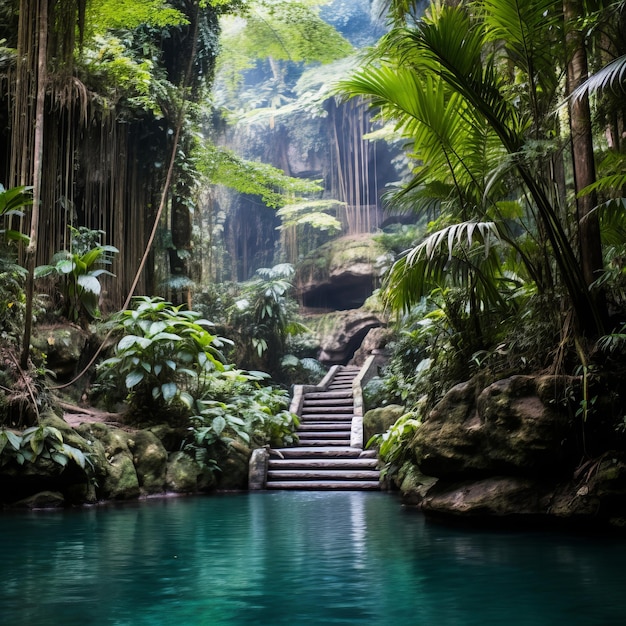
[{"x": 324, "y": 457}]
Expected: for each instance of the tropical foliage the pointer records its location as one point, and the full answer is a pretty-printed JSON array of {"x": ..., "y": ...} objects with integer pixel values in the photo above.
[
  {"x": 392, "y": 444},
  {"x": 77, "y": 274},
  {"x": 474, "y": 88},
  {"x": 264, "y": 317},
  {"x": 239, "y": 405},
  {"x": 518, "y": 269},
  {"x": 39, "y": 442},
  {"x": 164, "y": 358},
  {"x": 174, "y": 370},
  {"x": 13, "y": 202}
]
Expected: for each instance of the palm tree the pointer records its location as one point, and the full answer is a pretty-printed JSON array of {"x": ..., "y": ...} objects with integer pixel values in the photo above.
[{"x": 474, "y": 87}]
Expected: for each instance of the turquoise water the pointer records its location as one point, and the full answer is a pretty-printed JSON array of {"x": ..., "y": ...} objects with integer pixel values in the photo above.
[{"x": 297, "y": 559}]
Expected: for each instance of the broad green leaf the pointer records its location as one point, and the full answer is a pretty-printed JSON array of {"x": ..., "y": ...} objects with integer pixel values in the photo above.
[
  {"x": 187, "y": 399},
  {"x": 65, "y": 266},
  {"x": 54, "y": 433},
  {"x": 130, "y": 340},
  {"x": 78, "y": 456},
  {"x": 134, "y": 378},
  {"x": 14, "y": 439},
  {"x": 169, "y": 390},
  {"x": 218, "y": 424},
  {"x": 59, "y": 458},
  {"x": 166, "y": 337},
  {"x": 155, "y": 328},
  {"x": 37, "y": 441}
]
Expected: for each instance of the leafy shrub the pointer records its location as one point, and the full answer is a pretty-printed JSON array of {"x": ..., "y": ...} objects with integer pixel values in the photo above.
[
  {"x": 264, "y": 317},
  {"x": 397, "y": 238},
  {"x": 424, "y": 359},
  {"x": 163, "y": 358},
  {"x": 392, "y": 444},
  {"x": 375, "y": 393},
  {"x": 305, "y": 371},
  {"x": 238, "y": 406},
  {"x": 77, "y": 273},
  {"x": 12, "y": 300},
  {"x": 39, "y": 442},
  {"x": 173, "y": 369},
  {"x": 12, "y": 275}
]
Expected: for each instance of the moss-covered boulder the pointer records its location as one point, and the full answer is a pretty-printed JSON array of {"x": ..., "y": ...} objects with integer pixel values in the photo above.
[
  {"x": 377, "y": 421},
  {"x": 341, "y": 333},
  {"x": 514, "y": 426},
  {"x": 374, "y": 343},
  {"x": 234, "y": 463},
  {"x": 413, "y": 484},
  {"x": 150, "y": 461},
  {"x": 507, "y": 497},
  {"x": 339, "y": 275},
  {"x": 120, "y": 481},
  {"x": 64, "y": 347},
  {"x": 512, "y": 451},
  {"x": 41, "y": 500},
  {"x": 186, "y": 475},
  {"x": 596, "y": 493}
]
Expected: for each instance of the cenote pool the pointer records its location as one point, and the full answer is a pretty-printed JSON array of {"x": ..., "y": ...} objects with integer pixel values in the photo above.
[{"x": 307, "y": 558}]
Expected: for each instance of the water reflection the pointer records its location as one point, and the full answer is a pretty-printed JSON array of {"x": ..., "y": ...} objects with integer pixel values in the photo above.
[{"x": 301, "y": 559}]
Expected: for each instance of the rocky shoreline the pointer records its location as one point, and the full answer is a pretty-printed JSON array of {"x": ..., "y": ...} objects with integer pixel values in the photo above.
[
  {"x": 513, "y": 452},
  {"x": 123, "y": 464}
]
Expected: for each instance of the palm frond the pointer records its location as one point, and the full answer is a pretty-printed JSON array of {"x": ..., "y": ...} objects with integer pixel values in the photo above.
[
  {"x": 525, "y": 29},
  {"x": 612, "y": 218},
  {"x": 611, "y": 77},
  {"x": 452, "y": 148},
  {"x": 459, "y": 255},
  {"x": 452, "y": 47}
]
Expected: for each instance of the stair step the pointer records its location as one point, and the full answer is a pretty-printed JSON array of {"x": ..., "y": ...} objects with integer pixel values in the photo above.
[
  {"x": 317, "y": 395},
  {"x": 325, "y": 442},
  {"x": 332, "y": 463},
  {"x": 369, "y": 454},
  {"x": 306, "y": 436},
  {"x": 323, "y": 458},
  {"x": 308, "y": 426},
  {"x": 328, "y": 402},
  {"x": 318, "y": 452},
  {"x": 343, "y": 410},
  {"x": 326, "y": 418},
  {"x": 326, "y": 428},
  {"x": 322, "y": 474},
  {"x": 322, "y": 485}
]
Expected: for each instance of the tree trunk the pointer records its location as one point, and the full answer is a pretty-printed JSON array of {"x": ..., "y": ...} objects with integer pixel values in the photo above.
[
  {"x": 31, "y": 251},
  {"x": 582, "y": 151}
]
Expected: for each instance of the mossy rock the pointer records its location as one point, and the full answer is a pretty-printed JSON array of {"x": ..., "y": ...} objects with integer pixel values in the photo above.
[
  {"x": 186, "y": 475},
  {"x": 64, "y": 347},
  {"x": 41, "y": 500},
  {"x": 170, "y": 437},
  {"x": 356, "y": 252},
  {"x": 234, "y": 463},
  {"x": 120, "y": 481},
  {"x": 413, "y": 484},
  {"x": 150, "y": 460},
  {"x": 377, "y": 421}
]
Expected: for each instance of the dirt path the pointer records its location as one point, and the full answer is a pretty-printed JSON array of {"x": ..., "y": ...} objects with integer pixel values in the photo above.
[{"x": 76, "y": 415}]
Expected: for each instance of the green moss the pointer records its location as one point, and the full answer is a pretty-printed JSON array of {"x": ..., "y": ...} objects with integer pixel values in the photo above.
[{"x": 339, "y": 253}]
